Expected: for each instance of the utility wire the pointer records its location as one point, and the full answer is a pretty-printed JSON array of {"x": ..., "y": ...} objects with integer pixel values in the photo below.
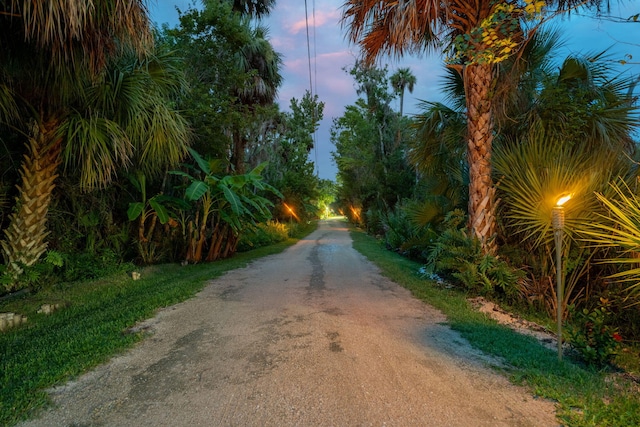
[
  {"x": 315, "y": 79},
  {"x": 306, "y": 19}
]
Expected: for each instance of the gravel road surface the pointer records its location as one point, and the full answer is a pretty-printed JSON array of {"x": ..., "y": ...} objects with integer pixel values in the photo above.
[{"x": 314, "y": 336}]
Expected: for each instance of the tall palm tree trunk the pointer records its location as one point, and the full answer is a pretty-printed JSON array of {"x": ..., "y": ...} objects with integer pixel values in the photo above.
[
  {"x": 25, "y": 237},
  {"x": 482, "y": 219}
]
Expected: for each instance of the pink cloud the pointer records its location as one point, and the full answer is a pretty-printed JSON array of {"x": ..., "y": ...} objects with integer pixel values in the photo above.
[{"x": 321, "y": 18}]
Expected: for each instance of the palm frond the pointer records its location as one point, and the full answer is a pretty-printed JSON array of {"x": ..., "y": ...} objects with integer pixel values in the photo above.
[
  {"x": 262, "y": 64},
  {"x": 393, "y": 27},
  {"x": 96, "y": 148},
  {"x": 534, "y": 173},
  {"x": 161, "y": 138},
  {"x": 8, "y": 106},
  {"x": 78, "y": 31},
  {"x": 620, "y": 228},
  {"x": 439, "y": 137}
]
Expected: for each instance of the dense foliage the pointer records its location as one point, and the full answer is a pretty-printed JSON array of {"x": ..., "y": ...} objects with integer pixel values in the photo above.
[
  {"x": 562, "y": 127},
  {"x": 373, "y": 172},
  {"x": 152, "y": 146}
]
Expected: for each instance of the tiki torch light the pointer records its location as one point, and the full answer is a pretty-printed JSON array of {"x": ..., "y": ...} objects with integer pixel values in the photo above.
[{"x": 558, "y": 231}]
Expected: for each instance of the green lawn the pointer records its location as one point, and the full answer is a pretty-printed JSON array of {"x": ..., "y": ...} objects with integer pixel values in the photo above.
[
  {"x": 584, "y": 397},
  {"x": 92, "y": 325}
]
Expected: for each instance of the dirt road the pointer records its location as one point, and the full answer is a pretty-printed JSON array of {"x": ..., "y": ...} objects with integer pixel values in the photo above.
[{"x": 314, "y": 336}]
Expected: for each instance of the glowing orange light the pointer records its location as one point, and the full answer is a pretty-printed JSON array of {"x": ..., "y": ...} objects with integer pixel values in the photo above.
[
  {"x": 291, "y": 211},
  {"x": 564, "y": 199},
  {"x": 356, "y": 212}
]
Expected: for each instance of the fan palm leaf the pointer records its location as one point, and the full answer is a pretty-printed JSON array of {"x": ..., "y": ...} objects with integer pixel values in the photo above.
[
  {"x": 586, "y": 104},
  {"x": 535, "y": 172},
  {"x": 97, "y": 147},
  {"x": 620, "y": 228},
  {"x": 257, "y": 8}
]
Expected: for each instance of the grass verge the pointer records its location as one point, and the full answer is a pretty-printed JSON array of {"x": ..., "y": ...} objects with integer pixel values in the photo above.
[
  {"x": 93, "y": 325},
  {"x": 584, "y": 397}
]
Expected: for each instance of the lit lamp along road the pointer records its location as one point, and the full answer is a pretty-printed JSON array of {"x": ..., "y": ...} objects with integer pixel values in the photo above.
[
  {"x": 558, "y": 230},
  {"x": 293, "y": 214}
]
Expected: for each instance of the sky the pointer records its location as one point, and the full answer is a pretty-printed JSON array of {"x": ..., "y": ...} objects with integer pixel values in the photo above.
[{"x": 330, "y": 53}]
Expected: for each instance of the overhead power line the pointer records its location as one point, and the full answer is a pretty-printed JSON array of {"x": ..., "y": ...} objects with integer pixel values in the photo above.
[{"x": 312, "y": 76}]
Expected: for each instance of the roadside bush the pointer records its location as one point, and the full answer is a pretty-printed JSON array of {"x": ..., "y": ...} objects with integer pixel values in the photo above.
[
  {"x": 592, "y": 336},
  {"x": 56, "y": 267},
  {"x": 398, "y": 229},
  {"x": 374, "y": 224},
  {"x": 459, "y": 259},
  {"x": 84, "y": 266},
  {"x": 34, "y": 277},
  {"x": 263, "y": 234},
  {"x": 404, "y": 236}
]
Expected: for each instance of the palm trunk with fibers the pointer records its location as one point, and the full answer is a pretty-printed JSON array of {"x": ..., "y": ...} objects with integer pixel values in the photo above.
[
  {"x": 25, "y": 237},
  {"x": 482, "y": 220}
]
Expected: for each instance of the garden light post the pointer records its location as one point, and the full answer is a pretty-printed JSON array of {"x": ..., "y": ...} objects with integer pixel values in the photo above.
[{"x": 558, "y": 230}]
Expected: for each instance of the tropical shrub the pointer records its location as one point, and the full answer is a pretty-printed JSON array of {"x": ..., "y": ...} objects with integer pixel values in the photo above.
[
  {"x": 33, "y": 277},
  {"x": 222, "y": 207},
  {"x": 533, "y": 172},
  {"x": 263, "y": 234},
  {"x": 460, "y": 259},
  {"x": 592, "y": 335},
  {"x": 373, "y": 220},
  {"x": 406, "y": 231},
  {"x": 147, "y": 211},
  {"x": 397, "y": 227},
  {"x": 83, "y": 266}
]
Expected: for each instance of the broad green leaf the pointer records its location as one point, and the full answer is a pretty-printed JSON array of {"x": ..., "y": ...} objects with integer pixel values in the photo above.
[
  {"x": 252, "y": 201},
  {"x": 232, "y": 220},
  {"x": 136, "y": 183},
  {"x": 183, "y": 174},
  {"x": 172, "y": 201},
  {"x": 202, "y": 163},
  {"x": 134, "y": 211},
  {"x": 273, "y": 190},
  {"x": 233, "y": 199},
  {"x": 161, "y": 211},
  {"x": 196, "y": 190},
  {"x": 237, "y": 181},
  {"x": 211, "y": 180},
  {"x": 257, "y": 171}
]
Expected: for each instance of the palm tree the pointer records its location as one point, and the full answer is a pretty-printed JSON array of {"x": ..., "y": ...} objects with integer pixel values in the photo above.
[
  {"x": 391, "y": 26},
  {"x": 62, "y": 77},
  {"x": 255, "y": 8},
  {"x": 261, "y": 65},
  {"x": 586, "y": 104},
  {"x": 401, "y": 80}
]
